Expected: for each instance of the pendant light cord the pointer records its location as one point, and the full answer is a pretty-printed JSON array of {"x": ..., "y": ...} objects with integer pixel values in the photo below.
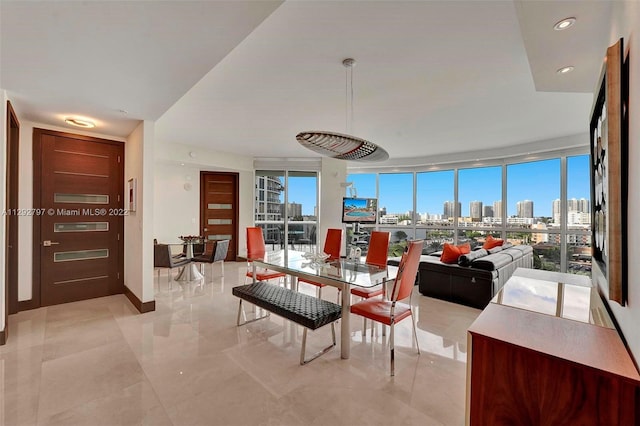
[{"x": 348, "y": 89}]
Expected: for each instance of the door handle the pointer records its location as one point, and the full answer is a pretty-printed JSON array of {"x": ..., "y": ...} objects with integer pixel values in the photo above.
[{"x": 49, "y": 243}]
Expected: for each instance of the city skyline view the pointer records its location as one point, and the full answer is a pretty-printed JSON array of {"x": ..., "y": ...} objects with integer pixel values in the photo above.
[{"x": 537, "y": 181}]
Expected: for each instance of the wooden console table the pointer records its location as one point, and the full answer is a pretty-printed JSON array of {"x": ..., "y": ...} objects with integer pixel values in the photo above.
[{"x": 545, "y": 351}]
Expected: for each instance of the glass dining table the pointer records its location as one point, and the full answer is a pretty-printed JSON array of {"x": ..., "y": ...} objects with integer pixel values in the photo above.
[{"x": 341, "y": 273}]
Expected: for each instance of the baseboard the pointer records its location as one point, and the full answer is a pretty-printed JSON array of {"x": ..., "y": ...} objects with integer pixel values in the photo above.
[
  {"x": 3, "y": 335},
  {"x": 27, "y": 305},
  {"x": 139, "y": 305}
]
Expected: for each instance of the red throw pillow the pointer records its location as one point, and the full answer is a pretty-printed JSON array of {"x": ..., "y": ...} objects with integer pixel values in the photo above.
[
  {"x": 491, "y": 242},
  {"x": 451, "y": 253}
]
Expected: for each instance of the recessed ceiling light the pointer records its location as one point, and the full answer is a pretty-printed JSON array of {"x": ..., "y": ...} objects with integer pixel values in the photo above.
[
  {"x": 80, "y": 122},
  {"x": 564, "y": 24},
  {"x": 565, "y": 70}
]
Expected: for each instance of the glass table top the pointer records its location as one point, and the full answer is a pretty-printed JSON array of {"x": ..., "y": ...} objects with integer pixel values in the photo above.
[
  {"x": 341, "y": 270},
  {"x": 548, "y": 294}
]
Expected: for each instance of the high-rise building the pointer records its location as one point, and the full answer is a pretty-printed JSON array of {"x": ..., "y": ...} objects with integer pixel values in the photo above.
[
  {"x": 449, "y": 209},
  {"x": 497, "y": 208},
  {"x": 475, "y": 210},
  {"x": 555, "y": 209},
  {"x": 293, "y": 210},
  {"x": 575, "y": 209},
  {"x": 524, "y": 208},
  {"x": 487, "y": 211},
  {"x": 583, "y": 205},
  {"x": 268, "y": 204},
  {"x": 572, "y": 205}
]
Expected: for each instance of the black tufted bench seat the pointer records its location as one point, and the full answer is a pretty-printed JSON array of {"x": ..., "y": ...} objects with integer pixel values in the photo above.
[{"x": 308, "y": 311}]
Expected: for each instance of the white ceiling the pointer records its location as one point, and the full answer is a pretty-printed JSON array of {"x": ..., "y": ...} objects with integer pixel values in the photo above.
[{"x": 432, "y": 78}]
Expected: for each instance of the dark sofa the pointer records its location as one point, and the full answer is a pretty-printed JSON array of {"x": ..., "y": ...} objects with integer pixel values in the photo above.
[{"x": 473, "y": 285}]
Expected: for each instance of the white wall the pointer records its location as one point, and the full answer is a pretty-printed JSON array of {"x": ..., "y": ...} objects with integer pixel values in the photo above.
[
  {"x": 177, "y": 211},
  {"x": 333, "y": 174},
  {"x": 25, "y": 223},
  {"x": 3, "y": 201},
  {"x": 626, "y": 24},
  {"x": 138, "y": 225}
]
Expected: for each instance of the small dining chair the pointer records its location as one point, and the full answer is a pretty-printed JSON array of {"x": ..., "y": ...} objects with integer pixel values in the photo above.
[
  {"x": 256, "y": 250},
  {"x": 214, "y": 252},
  {"x": 332, "y": 246},
  {"x": 162, "y": 259},
  {"x": 393, "y": 310},
  {"x": 376, "y": 256}
]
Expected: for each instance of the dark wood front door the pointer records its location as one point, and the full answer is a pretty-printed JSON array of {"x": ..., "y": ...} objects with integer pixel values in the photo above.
[
  {"x": 219, "y": 209},
  {"x": 78, "y": 194}
]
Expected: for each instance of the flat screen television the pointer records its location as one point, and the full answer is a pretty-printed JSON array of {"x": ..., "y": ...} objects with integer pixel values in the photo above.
[{"x": 359, "y": 210}]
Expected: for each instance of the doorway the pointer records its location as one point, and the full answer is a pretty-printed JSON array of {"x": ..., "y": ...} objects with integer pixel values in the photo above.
[
  {"x": 219, "y": 209},
  {"x": 78, "y": 233}
]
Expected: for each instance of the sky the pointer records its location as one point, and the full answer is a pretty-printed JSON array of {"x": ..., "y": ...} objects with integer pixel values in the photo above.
[
  {"x": 537, "y": 181},
  {"x": 302, "y": 190}
]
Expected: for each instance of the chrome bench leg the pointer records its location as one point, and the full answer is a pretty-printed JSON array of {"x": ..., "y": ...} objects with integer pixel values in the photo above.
[
  {"x": 304, "y": 361},
  {"x": 241, "y": 312}
]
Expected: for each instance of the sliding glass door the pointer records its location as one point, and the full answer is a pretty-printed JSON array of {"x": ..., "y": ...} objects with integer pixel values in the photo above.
[{"x": 286, "y": 208}]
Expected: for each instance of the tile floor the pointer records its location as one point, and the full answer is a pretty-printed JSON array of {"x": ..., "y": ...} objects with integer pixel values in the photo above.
[{"x": 99, "y": 362}]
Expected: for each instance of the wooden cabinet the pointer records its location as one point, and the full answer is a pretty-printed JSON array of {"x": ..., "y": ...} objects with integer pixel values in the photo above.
[{"x": 545, "y": 351}]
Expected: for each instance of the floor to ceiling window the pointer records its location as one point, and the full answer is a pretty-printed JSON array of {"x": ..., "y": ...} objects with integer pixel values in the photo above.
[
  {"x": 479, "y": 196},
  {"x": 532, "y": 189},
  {"x": 521, "y": 201},
  {"x": 396, "y": 204},
  {"x": 286, "y": 206},
  {"x": 435, "y": 208},
  {"x": 578, "y": 215}
]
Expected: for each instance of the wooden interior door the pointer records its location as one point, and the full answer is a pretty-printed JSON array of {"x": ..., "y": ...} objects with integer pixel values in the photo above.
[
  {"x": 219, "y": 209},
  {"x": 78, "y": 189}
]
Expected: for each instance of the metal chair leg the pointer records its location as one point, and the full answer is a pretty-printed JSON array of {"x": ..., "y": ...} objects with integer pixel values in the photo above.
[
  {"x": 393, "y": 373},
  {"x": 415, "y": 334}
]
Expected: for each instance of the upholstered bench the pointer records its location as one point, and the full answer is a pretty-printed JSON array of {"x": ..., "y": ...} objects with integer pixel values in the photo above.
[{"x": 307, "y": 311}]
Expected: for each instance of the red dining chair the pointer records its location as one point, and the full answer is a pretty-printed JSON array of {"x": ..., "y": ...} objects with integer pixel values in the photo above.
[
  {"x": 256, "y": 250},
  {"x": 332, "y": 245},
  {"x": 392, "y": 310},
  {"x": 377, "y": 256}
]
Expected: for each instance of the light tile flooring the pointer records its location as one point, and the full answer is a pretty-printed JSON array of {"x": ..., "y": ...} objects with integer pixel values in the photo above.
[{"x": 99, "y": 362}]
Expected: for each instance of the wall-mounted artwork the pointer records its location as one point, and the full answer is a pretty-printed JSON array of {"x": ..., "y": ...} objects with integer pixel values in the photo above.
[
  {"x": 131, "y": 195},
  {"x": 609, "y": 176}
]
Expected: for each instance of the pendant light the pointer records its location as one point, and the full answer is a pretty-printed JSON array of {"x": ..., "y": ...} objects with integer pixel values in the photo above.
[{"x": 343, "y": 146}]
